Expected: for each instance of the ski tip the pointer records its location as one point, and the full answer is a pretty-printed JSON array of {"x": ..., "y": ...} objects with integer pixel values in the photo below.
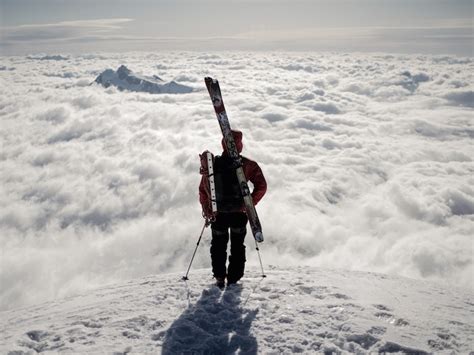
[{"x": 210, "y": 80}]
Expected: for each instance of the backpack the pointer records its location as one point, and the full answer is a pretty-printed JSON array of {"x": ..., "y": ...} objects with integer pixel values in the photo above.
[{"x": 228, "y": 195}]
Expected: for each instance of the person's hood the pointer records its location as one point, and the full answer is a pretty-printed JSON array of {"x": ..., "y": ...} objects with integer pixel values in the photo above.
[{"x": 238, "y": 141}]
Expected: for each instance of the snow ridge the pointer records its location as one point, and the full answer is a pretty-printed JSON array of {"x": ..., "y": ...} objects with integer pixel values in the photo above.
[
  {"x": 300, "y": 310},
  {"x": 124, "y": 79}
]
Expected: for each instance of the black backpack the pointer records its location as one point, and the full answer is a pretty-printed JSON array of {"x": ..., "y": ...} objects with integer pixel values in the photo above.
[{"x": 228, "y": 195}]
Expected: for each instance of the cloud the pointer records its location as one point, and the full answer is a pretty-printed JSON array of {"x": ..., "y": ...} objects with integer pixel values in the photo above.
[
  {"x": 326, "y": 107},
  {"x": 462, "y": 98},
  {"x": 368, "y": 168},
  {"x": 274, "y": 117},
  {"x": 62, "y": 31}
]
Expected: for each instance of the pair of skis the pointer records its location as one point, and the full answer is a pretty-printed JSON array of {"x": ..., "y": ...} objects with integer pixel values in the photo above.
[{"x": 216, "y": 97}]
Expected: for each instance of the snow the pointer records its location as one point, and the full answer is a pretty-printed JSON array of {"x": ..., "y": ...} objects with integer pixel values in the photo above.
[
  {"x": 124, "y": 79},
  {"x": 293, "y": 310}
]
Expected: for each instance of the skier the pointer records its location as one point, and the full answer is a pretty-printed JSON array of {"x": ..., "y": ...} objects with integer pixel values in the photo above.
[{"x": 230, "y": 212}]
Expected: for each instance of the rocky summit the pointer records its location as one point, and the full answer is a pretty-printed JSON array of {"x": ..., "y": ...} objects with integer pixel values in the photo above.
[{"x": 124, "y": 79}]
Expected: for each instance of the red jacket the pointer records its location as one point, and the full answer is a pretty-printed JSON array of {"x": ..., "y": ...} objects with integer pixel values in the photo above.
[{"x": 252, "y": 172}]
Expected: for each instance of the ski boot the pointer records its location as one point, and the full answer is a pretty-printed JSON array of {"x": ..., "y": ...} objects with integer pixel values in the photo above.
[{"x": 220, "y": 282}]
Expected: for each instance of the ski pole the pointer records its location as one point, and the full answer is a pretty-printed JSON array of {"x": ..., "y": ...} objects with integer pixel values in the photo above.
[
  {"x": 259, "y": 258},
  {"x": 206, "y": 223}
]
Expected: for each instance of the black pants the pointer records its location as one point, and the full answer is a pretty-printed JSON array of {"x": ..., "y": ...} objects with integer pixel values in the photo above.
[{"x": 237, "y": 223}]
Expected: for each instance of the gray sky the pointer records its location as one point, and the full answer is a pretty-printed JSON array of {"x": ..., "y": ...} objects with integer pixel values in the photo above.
[{"x": 403, "y": 26}]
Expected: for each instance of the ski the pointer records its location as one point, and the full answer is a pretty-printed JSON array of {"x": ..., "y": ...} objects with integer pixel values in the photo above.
[
  {"x": 216, "y": 98},
  {"x": 207, "y": 169}
]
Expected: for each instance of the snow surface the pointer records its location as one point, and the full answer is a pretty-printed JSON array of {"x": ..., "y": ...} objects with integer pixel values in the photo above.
[
  {"x": 298, "y": 310},
  {"x": 368, "y": 158},
  {"x": 124, "y": 79}
]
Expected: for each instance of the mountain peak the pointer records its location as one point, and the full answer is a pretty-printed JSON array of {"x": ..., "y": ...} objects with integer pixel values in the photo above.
[
  {"x": 125, "y": 79},
  {"x": 123, "y": 71}
]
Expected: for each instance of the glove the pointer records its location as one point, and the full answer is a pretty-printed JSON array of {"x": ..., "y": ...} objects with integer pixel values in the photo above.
[{"x": 207, "y": 212}]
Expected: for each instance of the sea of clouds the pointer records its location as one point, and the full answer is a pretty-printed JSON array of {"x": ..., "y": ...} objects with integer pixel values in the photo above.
[{"x": 368, "y": 159}]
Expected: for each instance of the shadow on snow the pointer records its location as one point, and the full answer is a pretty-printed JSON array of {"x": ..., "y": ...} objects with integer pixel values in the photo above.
[{"x": 216, "y": 324}]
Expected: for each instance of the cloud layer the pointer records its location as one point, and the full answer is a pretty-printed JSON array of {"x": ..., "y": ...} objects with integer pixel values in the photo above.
[{"x": 368, "y": 160}]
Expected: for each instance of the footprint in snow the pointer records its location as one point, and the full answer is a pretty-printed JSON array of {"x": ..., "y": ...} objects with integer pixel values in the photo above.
[
  {"x": 382, "y": 307},
  {"x": 126, "y": 351},
  {"x": 88, "y": 324},
  {"x": 157, "y": 325},
  {"x": 130, "y": 334},
  {"x": 40, "y": 340},
  {"x": 377, "y": 330},
  {"x": 390, "y": 347},
  {"x": 444, "y": 341},
  {"x": 137, "y": 323},
  {"x": 37, "y": 335},
  {"x": 366, "y": 341},
  {"x": 384, "y": 315},
  {"x": 285, "y": 319},
  {"x": 341, "y": 296},
  {"x": 399, "y": 322},
  {"x": 306, "y": 289}
]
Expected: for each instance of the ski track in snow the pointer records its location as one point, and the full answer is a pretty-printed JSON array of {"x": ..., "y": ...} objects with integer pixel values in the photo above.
[{"x": 299, "y": 310}]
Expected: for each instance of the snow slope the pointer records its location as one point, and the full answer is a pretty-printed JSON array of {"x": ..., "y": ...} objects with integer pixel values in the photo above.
[
  {"x": 124, "y": 79},
  {"x": 299, "y": 310}
]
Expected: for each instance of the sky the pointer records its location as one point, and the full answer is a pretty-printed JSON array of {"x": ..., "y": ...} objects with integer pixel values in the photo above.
[{"x": 397, "y": 26}]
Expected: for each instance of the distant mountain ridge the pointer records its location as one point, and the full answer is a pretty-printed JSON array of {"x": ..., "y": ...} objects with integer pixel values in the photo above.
[{"x": 124, "y": 79}]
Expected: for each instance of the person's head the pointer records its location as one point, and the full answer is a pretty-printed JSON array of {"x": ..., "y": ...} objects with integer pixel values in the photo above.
[{"x": 238, "y": 141}]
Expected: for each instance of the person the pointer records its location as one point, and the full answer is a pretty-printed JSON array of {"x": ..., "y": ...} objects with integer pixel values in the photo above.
[{"x": 230, "y": 214}]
